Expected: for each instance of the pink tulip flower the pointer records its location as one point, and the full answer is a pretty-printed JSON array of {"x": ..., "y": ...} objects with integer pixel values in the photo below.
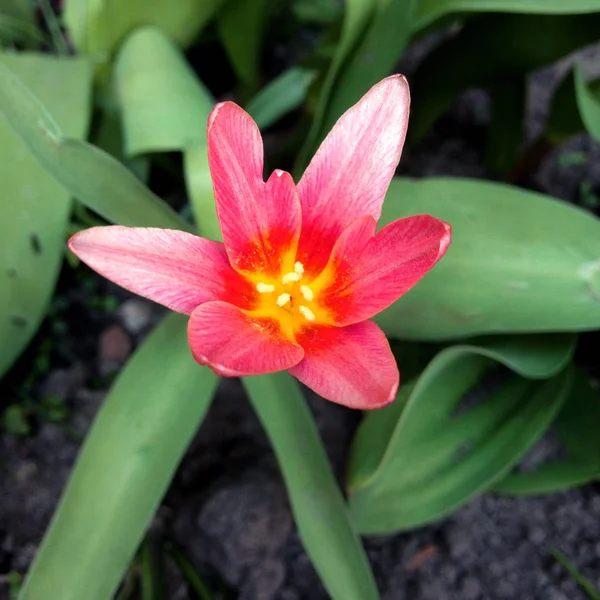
[{"x": 301, "y": 269}]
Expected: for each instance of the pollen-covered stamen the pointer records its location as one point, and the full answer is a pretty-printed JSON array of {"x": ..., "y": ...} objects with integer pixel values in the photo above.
[
  {"x": 306, "y": 292},
  {"x": 308, "y": 314},
  {"x": 283, "y": 299},
  {"x": 295, "y": 275},
  {"x": 265, "y": 288}
]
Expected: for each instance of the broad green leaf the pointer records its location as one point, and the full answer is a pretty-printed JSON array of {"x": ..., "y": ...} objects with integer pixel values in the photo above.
[
  {"x": 90, "y": 175},
  {"x": 473, "y": 58},
  {"x": 577, "y": 425},
  {"x": 123, "y": 470},
  {"x": 282, "y": 95},
  {"x": 18, "y": 23},
  {"x": 319, "y": 509},
  {"x": 506, "y": 133},
  {"x": 320, "y": 12},
  {"x": 427, "y": 11},
  {"x": 518, "y": 262},
  {"x": 165, "y": 108},
  {"x": 588, "y": 104},
  {"x": 242, "y": 25},
  {"x": 428, "y": 460},
  {"x": 35, "y": 208},
  {"x": 97, "y": 27}
]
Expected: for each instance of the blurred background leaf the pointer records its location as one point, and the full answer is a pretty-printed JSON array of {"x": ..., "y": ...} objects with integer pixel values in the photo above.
[{"x": 34, "y": 221}]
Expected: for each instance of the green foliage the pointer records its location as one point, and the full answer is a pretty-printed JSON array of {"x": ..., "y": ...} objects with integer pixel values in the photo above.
[
  {"x": 519, "y": 262},
  {"x": 149, "y": 417},
  {"x": 583, "y": 582},
  {"x": 417, "y": 460},
  {"x": 34, "y": 221},
  {"x": 316, "y": 500},
  {"x": 577, "y": 428},
  {"x": 165, "y": 107}
]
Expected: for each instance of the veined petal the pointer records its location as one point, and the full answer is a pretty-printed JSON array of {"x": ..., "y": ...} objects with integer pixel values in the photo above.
[
  {"x": 351, "y": 171},
  {"x": 369, "y": 273},
  {"x": 260, "y": 221},
  {"x": 234, "y": 343},
  {"x": 173, "y": 268},
  {"x": 351, "y": 365}
]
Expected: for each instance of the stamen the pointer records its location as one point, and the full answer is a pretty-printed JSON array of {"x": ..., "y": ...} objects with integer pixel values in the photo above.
[
  {"x": 283, "y": 299},
  {"x": 306, "y": 292},
  {"x": 308, "y": 314},
  {"x": 299, "y": 268},
  {"x": 265, "y": 288},
  {"x": 289, "y": 277}
]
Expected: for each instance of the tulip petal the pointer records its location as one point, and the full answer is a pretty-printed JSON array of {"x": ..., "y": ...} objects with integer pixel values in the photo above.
[
  {"x": 353, "y": 366},
  {"x": 173, "y": 268},
  {"x": 369, "y": 273},
  {"x": 351, "y": 171},
  {"x": 233, "y": 342},
  {"x": 260, "y": 221}
]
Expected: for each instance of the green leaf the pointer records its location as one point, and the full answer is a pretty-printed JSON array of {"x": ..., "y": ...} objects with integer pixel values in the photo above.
[
  {"x": 588, "y": 104},
  {"x": 428, "y": 11},
  {"x": 35, "y": 209},
  {"x": 319, "y": 509},
  {"x": 242, "y": 25},
  {"x": 18, "y": 23},
  {"x": 577, "y": 425},
  {"x": 583, "y": 582},
  {"x": 281, "y": 96},
  {"x": 97, "y": 27},
  {"x": 124, "y": 469},
  {"x": 416, "y": 461},
  {"x": 90, "y": 175},
  {"x": 165, "y": 108},
  {"x": 506, "y": 133},
  {"x": 519, "y": 262},
  {"x": 471, "y": 58}
]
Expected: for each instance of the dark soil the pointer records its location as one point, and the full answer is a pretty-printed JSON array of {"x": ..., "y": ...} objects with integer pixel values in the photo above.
[{"x": 228, "y": 506}]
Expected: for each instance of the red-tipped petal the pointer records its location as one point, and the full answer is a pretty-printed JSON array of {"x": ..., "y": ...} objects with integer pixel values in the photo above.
[
  {"x": 353, "y": 365},
  {"x": 351, "y": 171},
  {"x": 234, "y": 343},
  {"x": 371, "y": 273},
  {"x": 173, "y": 268},
  {"x": 260, "y": 221}
]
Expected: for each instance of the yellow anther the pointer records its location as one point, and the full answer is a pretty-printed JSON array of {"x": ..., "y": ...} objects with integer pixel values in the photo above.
[
  {"x": 290, "y": 277},
  {"x": 299, "y": 268},
  {"x": 265, "y": 288},
  {"x": 308, "y": 314},
  {"x": 283, "y": 299},
  {"x": 306, "y": 292}
]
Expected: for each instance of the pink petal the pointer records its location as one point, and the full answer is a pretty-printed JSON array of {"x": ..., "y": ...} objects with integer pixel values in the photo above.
[
  {"x": 173, "y": 268},
  {"x": 234, "y": 343},
  {"x": 371, "y": 273},
  {"x": 260, "y": 221},
  {"x": 351, "y": 171},
  {"x": 351, "y": 365}
]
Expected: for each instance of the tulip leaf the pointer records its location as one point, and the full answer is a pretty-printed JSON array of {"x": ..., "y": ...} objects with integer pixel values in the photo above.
[
  {"x": 97, "y": 27},
  {"x": 428, "y": 11},
  {"x": 317, "y": 503},
  {"x": 90, "y": 175},
  {"x": 588, "y": 104},
  {"x": 427, "y": 460},
  {"x": 577, "y": 426},
  {"x": 282, "y": 95},
  {"x": 35, "y": 209},
  {"x": 124, "y": 469},
  {"x": 165, "y": 108},
  {"x": 471, "y": 58},
  {"x": 519, "y": 261},
  {"x": 242, "y": 25}
]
